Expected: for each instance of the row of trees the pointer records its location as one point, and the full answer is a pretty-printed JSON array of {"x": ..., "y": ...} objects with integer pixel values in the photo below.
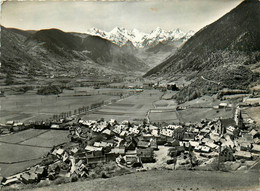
[{"x": 80, "y": 110}]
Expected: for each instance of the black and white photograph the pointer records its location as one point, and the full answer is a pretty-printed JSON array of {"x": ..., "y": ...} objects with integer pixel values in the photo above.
[{"x": 130, "y": 95}]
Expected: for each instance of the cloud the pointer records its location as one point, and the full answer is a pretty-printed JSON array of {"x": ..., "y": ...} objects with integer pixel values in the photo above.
[{"x": 79, "y": 16}]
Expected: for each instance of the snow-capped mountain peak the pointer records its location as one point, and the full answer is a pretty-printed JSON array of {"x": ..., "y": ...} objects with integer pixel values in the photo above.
[
  {"x": 96, "y": 32},
  {"x": 120, "y": 36}
]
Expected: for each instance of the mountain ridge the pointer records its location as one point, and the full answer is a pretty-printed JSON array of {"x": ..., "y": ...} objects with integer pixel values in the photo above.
[
  {"x": 223, "y": 51},
  {"x": 26, "y": 56},
  {"x": 120, "y": 35}
]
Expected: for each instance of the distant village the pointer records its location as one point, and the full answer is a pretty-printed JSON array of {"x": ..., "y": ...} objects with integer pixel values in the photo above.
[{"x": 129, "y": 146}]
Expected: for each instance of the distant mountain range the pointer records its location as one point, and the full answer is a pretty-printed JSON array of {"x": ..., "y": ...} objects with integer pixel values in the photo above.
[
  {"x": 26, "y": 55},
  {"x": 226, "y": 52},
  {"x": 121, "y": 36},
  {"x": 29, "y": 55}
]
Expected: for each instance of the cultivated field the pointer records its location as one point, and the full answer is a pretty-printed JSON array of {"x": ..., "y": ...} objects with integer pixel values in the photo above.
[
  {"x": 25, "y": 148},
  {"x": 196, "y": 114},
  {"x": 254, "y": 113},
  {"x": 31, "y": 106},
  {"x": 165, "y": 110},
  {"x": 133, "y": 108}
]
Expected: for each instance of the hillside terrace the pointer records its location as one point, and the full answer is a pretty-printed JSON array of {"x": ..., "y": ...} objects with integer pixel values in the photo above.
[{"x": 210, "y": 144}]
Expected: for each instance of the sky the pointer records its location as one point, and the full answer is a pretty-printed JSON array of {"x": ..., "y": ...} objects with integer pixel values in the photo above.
[{"x": 79, "y": 16}]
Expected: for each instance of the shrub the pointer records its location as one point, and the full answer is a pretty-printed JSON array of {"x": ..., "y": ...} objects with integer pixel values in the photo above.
[
  {"x": 104, "y": 175},
  {"x": 49, "y": 90},
  {"x": 93, "y": 175},
  {"x": 74, "y": 178},
  {"x": 61, "y": 180}
]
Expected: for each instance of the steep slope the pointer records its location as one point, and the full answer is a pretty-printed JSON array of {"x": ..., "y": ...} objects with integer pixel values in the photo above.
[
  {"x": 52, "y": 52},
  {"x": 230, "y": 44},
  {"x": 15, "y": 60},
  {"x": 58, "y": 38},
  {"x": 98, "y": 47}
]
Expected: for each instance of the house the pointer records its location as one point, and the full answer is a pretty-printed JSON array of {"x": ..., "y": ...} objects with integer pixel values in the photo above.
[
  {"x": 169, "y": 139},
  {"x": 185, "y": 144},
  {"x": 161, "y": 140},
  {"x": 254, "y": 133},
  {"x": 245, "y": 146},
  {"x": 188, "y": 136},
  {"x": 74, "y": 150},
  {"x": 130, "y": 143},
  {"x": 103, "y": 144},
  {"x": 215, "y": 107},
  {"x": 257, "y": 141},
  {"x": 205, "y": 140},
  {"x": 194, "y": 143},
  {"x": 205, "y": 130},
  {"x": 247, "y": 137},
  {"x": 199, "y": 138},
  {"x": 41, "y": 171},
  {"x": 143, "y": 144},
  {"x": 214, "y": 136},
  {"x": 176, "y": 151},
  {"x": 123, "y": 133},
  {"x": 107, "y": 132},
  {"x": 95, "y": 159},
  {"x": 55, "y": 126},
  {"x": 146, "y": 155},
  {"x": 117, "y": 129},
  {"x": 152, "y": 127},
  {"x": 146, "y": 136},
  {"x": 134, "y": 130},
  {"x": 223, "y": 105},
  {"x": 94, "y": 151},
  {"x": 65, "y": 157},
  {"x": 59, "y": 152},
  {"x": 153, "y": 144},
  {"x": 212, "y": 145},
  {"x": 9, "y": 181},
  {"x": 155, "y": 132},
  {"x": 131, "y": 158},
  {"x": 167, "y": 132},
  {"x": 227, "y": 141},
  {"x": 173, "y": 127},
  {"x": 243, "y": 155},
  {"x": 114, "y": 153},
  {"x": 255, "y": 148},
  {"x": 28, "y": 178},
  {"x": 200, "y": 148},
  {"x": 9, "y": 122},
  {"x": 205, "y": 149},
  {"x": 230, "y": 130},
  {"x": 112, "y": 122}
]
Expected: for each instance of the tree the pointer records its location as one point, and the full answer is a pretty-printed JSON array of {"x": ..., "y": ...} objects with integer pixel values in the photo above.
[{"x": 9, "y": 79}]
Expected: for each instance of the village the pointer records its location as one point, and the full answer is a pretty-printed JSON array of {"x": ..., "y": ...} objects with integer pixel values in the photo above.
[{"x": 102, "y": 149}]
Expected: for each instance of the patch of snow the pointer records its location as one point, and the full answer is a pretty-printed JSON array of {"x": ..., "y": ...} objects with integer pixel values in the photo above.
[{"x": 120, "y": 36}]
